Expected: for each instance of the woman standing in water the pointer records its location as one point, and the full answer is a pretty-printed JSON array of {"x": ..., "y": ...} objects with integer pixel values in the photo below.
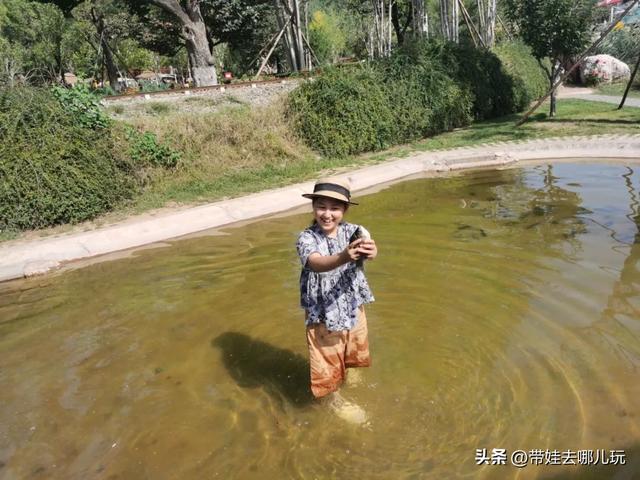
[{"x": 333, "y": 291}]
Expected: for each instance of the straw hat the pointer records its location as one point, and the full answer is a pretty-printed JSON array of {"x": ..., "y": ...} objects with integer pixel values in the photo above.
[{"x": 331, "y": 188}]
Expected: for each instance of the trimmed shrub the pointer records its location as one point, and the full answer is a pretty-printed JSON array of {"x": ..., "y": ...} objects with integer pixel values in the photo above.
[
  {"x": 479, "y": 71},
  {"x": 344, "y": 112},
  {"x": 53, "y": 168},
  {"x": 424, "y": 99},
  {"x": 359, "y": 109},
  {"x": 529, "y": 80},
  {"x": 424, "y": 88}
]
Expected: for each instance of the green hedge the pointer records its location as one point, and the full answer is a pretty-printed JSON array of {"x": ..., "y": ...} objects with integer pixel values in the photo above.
[
  {"x": 478, "y": 70},
  {"x": 62, "y": 160},
  {"x": 424, "y": 88},
  {"x": 368, "y": 108},
  {"x": 529, "y": 80},
  {"x": 344, "y": 112},
  {"x": 53, "y": 169}
]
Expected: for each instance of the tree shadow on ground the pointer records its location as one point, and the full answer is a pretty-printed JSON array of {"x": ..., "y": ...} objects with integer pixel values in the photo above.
[
  {"x": 629, "y": 471},
  {"x": 254, "y": 363}
]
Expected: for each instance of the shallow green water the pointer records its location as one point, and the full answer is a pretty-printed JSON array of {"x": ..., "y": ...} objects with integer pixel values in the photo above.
[{"x": 506, "y": 317}]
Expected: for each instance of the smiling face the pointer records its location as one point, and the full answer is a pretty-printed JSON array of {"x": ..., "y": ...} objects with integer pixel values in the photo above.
[{"x": 328, "y": 214}]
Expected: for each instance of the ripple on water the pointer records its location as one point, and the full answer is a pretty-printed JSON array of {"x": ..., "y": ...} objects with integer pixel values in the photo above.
[{"x": 506, "y": 317}]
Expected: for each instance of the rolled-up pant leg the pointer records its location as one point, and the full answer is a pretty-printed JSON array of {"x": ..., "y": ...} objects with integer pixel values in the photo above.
[{"x": 331, "y": 353}]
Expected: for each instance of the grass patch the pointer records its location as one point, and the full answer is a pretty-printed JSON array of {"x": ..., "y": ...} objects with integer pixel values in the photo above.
[
  {"x": 239, "y": 150},
  {"x": 116, "y": 109},
  {"x": 232, "y": 151},
  {"x": 574, "y": 117},
  {"x": 158, "y": 108},
  {"x": 617, "y": 90},
  {"x": 206, "y": 101}
]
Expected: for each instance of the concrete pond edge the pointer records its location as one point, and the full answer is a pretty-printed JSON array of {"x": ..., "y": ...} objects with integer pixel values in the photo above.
[{"x": 35, "y": 257}]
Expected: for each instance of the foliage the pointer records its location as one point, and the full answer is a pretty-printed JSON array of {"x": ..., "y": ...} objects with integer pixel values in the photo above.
[
  {"x": 151, "y": 86},
  {"x": 529, "y": 81},
  {"x": 344, "y": 112},
  {"x": 135, "y": 57},
  {"x": 31, "y": 42},
  {"x": 425, "y": 100},
  {"x": 325, "y": 36},
  {"x": 104, "y": 91},
  {"x": 422, "y": 89},
  {"x": 146, "y": 150},
  {"x": 554, "y": 29},
  {"x": 53, "y": 168},
  {"x": 622, "y": 44},
  {"x": 479, "y": 71},
  {"x": 83, "y": 105}
]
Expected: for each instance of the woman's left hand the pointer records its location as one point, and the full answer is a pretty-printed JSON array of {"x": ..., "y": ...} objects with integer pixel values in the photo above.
[{"x": 368, "y": 249}]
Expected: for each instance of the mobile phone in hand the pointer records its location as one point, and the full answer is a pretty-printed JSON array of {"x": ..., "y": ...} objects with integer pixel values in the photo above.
[{"x": 355, "y": 236}]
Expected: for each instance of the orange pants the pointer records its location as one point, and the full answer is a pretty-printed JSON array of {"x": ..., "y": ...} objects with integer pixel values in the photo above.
[{"x": 331, "y": 353}]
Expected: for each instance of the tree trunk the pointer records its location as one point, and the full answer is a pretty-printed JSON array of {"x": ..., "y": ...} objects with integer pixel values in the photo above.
[
  {"x": 396, "y": 23},
  {"x": 107, "y": 53},
  {"x": 293, "y": 35},
  {"x": 552, "y": 80},
  {"x": 444, "y": 19},
  {"x": 450, "y": 19},
  {"x": 418, "y": 18},
  {"x": 203, "y": 70},
  {"x": 110, "y": 64},
  {"x": 298, "y": 35},
  {"x": 194, "y": 33},
  {"x": 492, "y": 13}
]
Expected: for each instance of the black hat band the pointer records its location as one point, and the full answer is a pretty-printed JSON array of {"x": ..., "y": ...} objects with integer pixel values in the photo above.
[{"x": 332, "y": 187}]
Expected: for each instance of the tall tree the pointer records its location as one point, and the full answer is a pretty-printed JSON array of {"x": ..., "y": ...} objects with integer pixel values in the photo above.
[
  {"x": 111, "y": 22},
  {"x": 31, "y": 41},
  {"x": 289, "y": 15},
  {"x": 194, "y": 33},
  {"x": 487, "y": 14},
  {"x": 450, "y": 19},
  {"x": 554, "y": 29}
]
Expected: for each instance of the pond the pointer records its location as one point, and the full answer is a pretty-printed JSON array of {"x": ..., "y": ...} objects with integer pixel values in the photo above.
[{"x": 506, "y": 318}]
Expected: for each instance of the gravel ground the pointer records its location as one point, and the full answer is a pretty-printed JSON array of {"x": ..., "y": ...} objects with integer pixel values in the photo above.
[{"x": 198, "y": 102}]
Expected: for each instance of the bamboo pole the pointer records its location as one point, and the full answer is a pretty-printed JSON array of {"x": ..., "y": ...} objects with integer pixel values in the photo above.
[
  {"x": 465, "y": 14},
  {"x": 505, "y": 27},
  {"x": 626, "y": 90},
  {"x": 575, "y": 65},
  {"x": 273, "y": 47}
]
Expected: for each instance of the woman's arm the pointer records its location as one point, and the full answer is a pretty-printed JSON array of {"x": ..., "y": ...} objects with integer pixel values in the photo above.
[{"x": 325, "y": 263}]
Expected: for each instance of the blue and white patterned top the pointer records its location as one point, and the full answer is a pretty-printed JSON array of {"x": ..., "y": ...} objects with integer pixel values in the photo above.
[{"x": 331, "y": 297}]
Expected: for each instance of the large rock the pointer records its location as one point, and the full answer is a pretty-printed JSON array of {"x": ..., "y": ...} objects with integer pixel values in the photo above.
[{"x": 603, "y": 69}]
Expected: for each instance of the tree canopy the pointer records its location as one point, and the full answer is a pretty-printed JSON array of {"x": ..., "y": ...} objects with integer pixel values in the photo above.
[{"x": 554, "y": 29}]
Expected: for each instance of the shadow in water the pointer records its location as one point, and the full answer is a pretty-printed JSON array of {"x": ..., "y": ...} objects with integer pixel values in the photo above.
[
  {"x": 254, "y": 363},
  {"x": 629, "y": 471}
]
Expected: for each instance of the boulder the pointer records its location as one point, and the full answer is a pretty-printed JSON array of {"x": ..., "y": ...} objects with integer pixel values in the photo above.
[{"x": 603, "y": 69}]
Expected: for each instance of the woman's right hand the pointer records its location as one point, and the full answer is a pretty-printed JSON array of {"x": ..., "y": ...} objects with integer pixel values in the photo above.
[{"x": 351, "y": 253}]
